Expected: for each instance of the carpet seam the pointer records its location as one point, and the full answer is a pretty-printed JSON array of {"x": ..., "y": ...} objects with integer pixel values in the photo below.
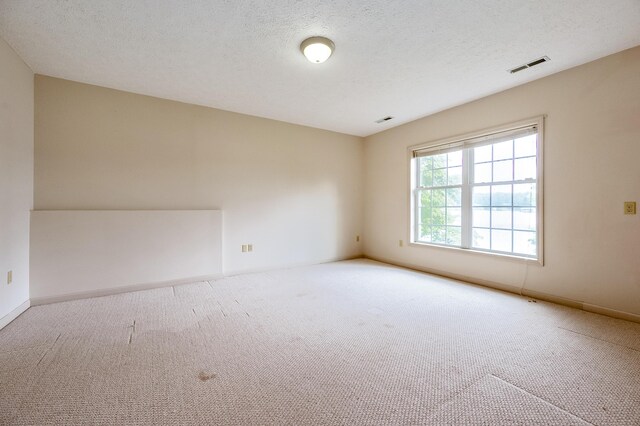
[
  {"x": 33, "y": 383},
  {"x": 599, "y": 339},
  {"x": 455, "y": 395},
  {"x": 542, "y": 399}
]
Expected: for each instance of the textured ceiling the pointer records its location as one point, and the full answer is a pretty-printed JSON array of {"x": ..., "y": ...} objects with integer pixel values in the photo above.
[{"x": 404, "y": 58}]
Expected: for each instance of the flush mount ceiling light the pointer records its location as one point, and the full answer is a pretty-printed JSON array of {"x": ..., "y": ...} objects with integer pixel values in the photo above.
[{"x": 317, "y": 49}]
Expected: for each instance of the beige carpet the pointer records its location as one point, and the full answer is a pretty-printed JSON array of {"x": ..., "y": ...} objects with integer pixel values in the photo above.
[{"x": 354, "y": 342}]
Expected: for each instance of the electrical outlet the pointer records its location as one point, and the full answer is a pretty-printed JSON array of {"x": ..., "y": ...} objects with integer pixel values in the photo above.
[
  {"x": 249, "y": 247},
  {"x": 629, "y": 207},
  {"x": 9, "y": 277},
  {"x": 401, "y": 243},
  {"x": 244, "y": 248}
]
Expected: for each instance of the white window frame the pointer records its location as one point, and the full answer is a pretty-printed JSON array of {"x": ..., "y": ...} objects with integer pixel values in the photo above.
[{"x": 465, "y": 141}]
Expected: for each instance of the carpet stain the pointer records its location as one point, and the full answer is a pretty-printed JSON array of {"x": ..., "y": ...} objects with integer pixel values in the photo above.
[{"x": 204, "y": 376}]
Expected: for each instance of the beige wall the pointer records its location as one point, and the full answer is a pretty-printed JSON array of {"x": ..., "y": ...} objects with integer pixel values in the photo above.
[
  {"x": 592, "y": 152},
  {"x": 293, "y": 192},
  {"x": 16, "y": 178}
]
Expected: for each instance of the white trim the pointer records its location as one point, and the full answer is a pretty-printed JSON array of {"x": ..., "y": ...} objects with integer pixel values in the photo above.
[
  {"x": 466, "y": 200},
  {"x": 292, "y": 265},
  {"x": 5, "y": 320},
  {"x": 36, "y": 301},
  {"x": 596, "y": 309},
  {"x": 540, "y": 191}
]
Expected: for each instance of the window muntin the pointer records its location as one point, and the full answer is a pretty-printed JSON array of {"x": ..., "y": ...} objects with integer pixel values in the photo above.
[{"x": 481, "y": 193}]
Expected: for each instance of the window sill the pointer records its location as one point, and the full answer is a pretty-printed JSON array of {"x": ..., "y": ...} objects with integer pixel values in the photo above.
[{"x": 513, "y": 258}]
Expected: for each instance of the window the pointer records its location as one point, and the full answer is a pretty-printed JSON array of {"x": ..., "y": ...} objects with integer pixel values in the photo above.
[{"x": 481, "y": 192}]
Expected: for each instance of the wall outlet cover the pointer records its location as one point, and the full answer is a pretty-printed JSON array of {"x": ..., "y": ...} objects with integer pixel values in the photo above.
[{"x": 629, "y": 207}]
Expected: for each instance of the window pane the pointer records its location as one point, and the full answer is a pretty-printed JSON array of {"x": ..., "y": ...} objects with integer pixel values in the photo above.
[
  {"x": 454, "y": 235},
  {"x": 500, "y": 240},
  {"x": 439, "y": 161},
  {"x": 482, "y": 173},
  {"x": 454, "y": 195},
  {"x": 481, "y": 217},
  {"x": 438, "y": 216},
  {"x": 439, "y": 198},
  {"x": 482, "y": 196},
  {"x": 455, "y": 175},
  {"x": 524, "y": 242},
  {"x": 501, "y": 217},
  {"x": 503, "y": 150},
  {"x": 454, "y": 216},
  {"x": 425, "y": 233},
  {"x": 524, "y": 194},
  {"x": 425, "y": 215},
  {"x": 426, "y": 163},
  {"x": 425, "y": 198},
  {"x": 481, "y": 238},
  {"x": 524, "y": 218},
  {"x": 526, "y": 146},
  {"x": 439, "y": 234},
  {"x": 525, "y": 168},
  {"x": 439, "y": 177},
  {"x": 454, "y": 158},
  {"x": 482, "y": 154},
  {"x": 501, "y": 195},
  {"x": 503, "y": 171},
  {"x": 426, "y": 177}
]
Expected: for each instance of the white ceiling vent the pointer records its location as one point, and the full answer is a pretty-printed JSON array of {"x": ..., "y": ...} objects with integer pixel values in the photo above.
[
  {"x": 382, "y": 120},
  {"x": 530, "y": 64}
]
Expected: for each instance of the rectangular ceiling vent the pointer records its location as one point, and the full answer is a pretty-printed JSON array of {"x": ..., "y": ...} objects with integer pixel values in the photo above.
[
  {"x": 530, "y": 64},
  {"x": 382, "y": 120}
]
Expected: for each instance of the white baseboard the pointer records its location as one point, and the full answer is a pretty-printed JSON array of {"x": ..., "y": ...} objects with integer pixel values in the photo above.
[
  {"x": 611, "y": 312},
  {"x": 4, "y": 321},
  {"x": 36, "y": 301},
  {"x": 522, "y": 292},
  {"x": 289, "y": 266}
]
